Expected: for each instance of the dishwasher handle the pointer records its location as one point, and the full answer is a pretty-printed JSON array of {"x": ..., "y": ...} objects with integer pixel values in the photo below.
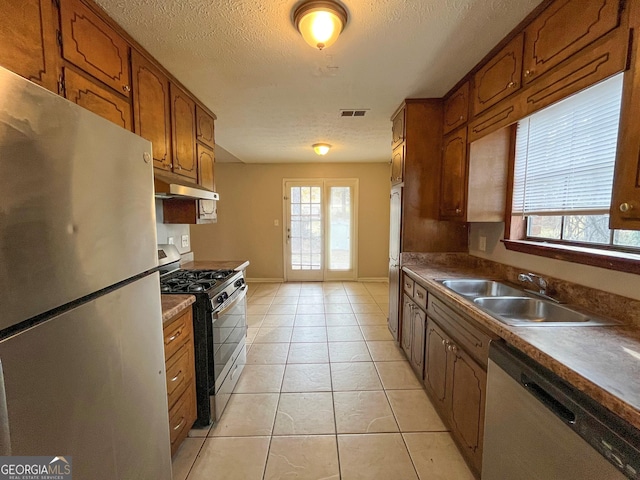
[{"x": 549, "y": 400}]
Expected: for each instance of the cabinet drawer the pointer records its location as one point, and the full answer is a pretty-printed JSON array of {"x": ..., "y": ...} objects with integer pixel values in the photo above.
[
  {"x": 177, "y": 333},
  {"x": 408, "y": 285},
  {"x": 179, "y": 372},
  {"x": 420, "y": 296},
  {"x": 466, "y": 335},
  {"x": 181, "y": 418}
]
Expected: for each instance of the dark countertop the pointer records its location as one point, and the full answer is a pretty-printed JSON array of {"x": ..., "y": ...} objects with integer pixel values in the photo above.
[
  {"x": 216, "y": 265},
  {"x": 173, "y": 304},
  {"x": 602, "y": 362}
]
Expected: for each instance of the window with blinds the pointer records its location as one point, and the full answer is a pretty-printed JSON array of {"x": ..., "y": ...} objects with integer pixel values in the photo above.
[
  {"x": 563, "y": 175},
  {"x": 565, "y": 154}
]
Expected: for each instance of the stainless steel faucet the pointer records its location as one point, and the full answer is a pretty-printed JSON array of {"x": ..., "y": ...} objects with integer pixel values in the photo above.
[{"x": 537, "y": 280}]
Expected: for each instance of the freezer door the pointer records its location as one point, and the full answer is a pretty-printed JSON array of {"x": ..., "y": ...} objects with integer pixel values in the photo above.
[
  {"x": 76, "y": 202},
  {"x": 90, "y": 383}
]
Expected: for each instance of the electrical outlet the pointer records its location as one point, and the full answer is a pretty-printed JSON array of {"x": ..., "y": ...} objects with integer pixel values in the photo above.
[
  {"x": 171, "y": 241},
  {"x": 482, "y": 243},
  {"x": 276, "y": 223},
  {"x": 185, "y": 241}
]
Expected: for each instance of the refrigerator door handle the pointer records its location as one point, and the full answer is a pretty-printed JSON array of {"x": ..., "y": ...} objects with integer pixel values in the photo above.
[{"x": 5, "y": 435}]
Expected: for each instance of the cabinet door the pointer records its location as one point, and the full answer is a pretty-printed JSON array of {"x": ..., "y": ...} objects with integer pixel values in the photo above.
[
  {"x": 206, "y": 163},
  {"x": 90, "y": 44},
  {"x": 467, "y": 400},
  {"x": 28, "y": 40},
  {"x": 96, "y": 98},
  {"x": 397, "y": 164},
  {"x": 563, "y": 29},
  {"x": 625, "y": 201},
  {"x": 395, "y": 227},
  {"x": 456, "y": 108},
  {"x": 407, "y": 323},
  {"x": 454, "y": 175},
  {"x": 499, "y": 78},
  {"x": 417, "y": 342},
  {"x": 204, "y": 127},
  {"x": 151, "y": 108},
  {"x": 435, "y": 372},
  {"x": 397, "y": 129},
  {"x": 183, "y": 129}
]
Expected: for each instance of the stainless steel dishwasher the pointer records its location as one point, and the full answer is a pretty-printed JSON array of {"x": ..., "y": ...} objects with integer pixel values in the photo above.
[{"x": 537, "y": 427}]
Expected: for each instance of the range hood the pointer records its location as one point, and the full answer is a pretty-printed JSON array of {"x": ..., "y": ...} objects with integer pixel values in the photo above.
[{"x": 171, "y": 186}]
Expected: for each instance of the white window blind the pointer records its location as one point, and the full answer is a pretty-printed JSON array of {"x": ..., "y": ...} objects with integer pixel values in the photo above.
[{"x": 565, "y": 154}]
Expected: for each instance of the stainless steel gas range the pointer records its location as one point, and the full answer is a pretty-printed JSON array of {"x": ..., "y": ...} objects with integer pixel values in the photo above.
[{"x": 219, "y": 327}]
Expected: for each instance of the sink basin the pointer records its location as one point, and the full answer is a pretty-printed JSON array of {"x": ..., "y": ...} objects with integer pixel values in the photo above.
[
  {"x": 519, "y": 311},
  {"x": 472, "y": 288}
]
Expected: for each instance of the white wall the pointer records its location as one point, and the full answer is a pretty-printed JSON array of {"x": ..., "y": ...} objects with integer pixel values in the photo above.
[
  {"x": 625, "y": 284},
  {"x": 165, "y": 231}
]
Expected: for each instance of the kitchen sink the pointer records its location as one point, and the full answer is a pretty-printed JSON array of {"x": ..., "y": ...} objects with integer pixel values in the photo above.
[
  {"x": 472, "y": 288},
  {"x": 520, "y": 311}
]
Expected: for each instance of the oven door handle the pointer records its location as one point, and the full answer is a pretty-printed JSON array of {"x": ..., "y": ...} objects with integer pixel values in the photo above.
[{"x": 231, "y": 301}]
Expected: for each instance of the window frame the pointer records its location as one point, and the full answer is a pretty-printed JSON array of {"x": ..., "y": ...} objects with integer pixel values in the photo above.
[{"x": 517, "y": 240}]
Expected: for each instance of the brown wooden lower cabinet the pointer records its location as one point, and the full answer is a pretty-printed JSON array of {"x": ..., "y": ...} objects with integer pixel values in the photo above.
[
  {"x": 180, "y": 371},
  {"x": 412, "y": 336},
  {"x": 457, "y": 387}
]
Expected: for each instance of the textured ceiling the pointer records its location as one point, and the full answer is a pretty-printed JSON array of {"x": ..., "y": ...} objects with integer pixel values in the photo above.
[{"x": 274, "y": 95}]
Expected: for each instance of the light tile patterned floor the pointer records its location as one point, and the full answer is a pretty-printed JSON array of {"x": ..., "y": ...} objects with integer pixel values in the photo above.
[{"x": 326, "y": 394}]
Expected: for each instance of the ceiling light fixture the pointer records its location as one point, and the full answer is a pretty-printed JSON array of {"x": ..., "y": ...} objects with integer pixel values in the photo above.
[
  {"x": 321, "y": 148},
  {"x": 320, "y": 22}
]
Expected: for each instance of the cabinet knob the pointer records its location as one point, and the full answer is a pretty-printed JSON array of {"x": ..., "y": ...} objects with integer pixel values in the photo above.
[
  {"x": 528, "y": 73},
  {"x": 126, "y": 88},
  {"x": 625, "y": 207},
  {"x": 511, "y": 84},
  {"x": 444, "y": 342},
  {"x": 461, "y": 117},
  {"x": 458, "y": 211}
]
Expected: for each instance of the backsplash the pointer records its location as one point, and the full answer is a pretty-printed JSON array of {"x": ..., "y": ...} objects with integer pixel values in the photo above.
[
  {"x": 165, "y": 231},
  {"x": 597, "y": 301}
]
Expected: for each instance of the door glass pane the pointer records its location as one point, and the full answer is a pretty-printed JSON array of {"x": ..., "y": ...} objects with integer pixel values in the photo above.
[
  {"x": 340, "y": 228},
  {"x": 306, "y": 228}
]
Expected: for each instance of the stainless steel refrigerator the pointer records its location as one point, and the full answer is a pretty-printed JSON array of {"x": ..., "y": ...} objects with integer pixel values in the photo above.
[{"x": 81, "y": 346}]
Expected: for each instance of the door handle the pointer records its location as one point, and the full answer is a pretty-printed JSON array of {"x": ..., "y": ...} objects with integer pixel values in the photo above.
[{"x": 5, "y": 434}]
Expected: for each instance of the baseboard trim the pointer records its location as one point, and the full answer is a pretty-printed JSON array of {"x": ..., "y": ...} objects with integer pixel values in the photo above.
[
  {"x": 264, "y": 280},
  {"x": 373, "y": 279}
]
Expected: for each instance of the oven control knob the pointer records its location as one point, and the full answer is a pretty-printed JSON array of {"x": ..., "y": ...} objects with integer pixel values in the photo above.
[
  {"x": 239, "y": 282},
  {"x": 222, "y": 297}
]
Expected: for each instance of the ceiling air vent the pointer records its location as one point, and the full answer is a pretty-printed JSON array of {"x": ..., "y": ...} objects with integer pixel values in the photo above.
[{"x": 354, "y": 113}]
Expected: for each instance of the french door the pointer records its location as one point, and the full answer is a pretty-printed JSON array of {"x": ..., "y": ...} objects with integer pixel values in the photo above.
[{"x": 320, "y": 229}]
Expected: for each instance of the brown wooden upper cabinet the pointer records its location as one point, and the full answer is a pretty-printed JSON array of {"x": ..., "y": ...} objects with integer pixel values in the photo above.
[
  {"x": 397, "y": 164},
  {"x": 397, "y": 128},
  {"x": 454, "y": 175},
  {"x": 206, "y": 164},
  {"x": 183, "y": 130},
  {"x": 500, "y": 77},
  {"x": 28, "y": 40},
  {"x": 564, "y": 28},
  {"x": 456, "y": 108},
  {"x": 625, "y": 202},
  {"x": 97, "y": 99},
  {"x": 92, "y": 45},
  {"x": 151, "y": 108},
  {"x": 204, "y": 127}
]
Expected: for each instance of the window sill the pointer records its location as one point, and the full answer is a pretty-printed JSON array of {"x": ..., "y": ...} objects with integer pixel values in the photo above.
[{"x": 609, "y": 259}]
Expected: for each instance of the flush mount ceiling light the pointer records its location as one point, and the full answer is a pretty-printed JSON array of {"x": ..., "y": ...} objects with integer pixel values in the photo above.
[
  {"x": 321, "y": 148},
  {"x": 320, "y": 22}
]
